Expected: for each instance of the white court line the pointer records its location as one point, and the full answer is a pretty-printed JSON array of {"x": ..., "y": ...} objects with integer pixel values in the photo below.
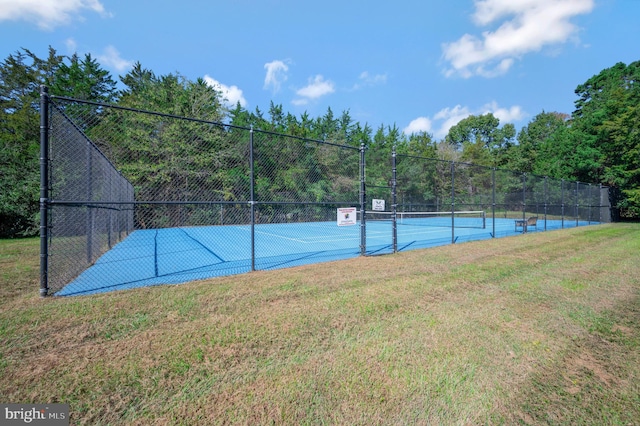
[
  {"x": 376, "y": 235},
  {"x": 331, "y": 240},
  {"x": 273, "y": 235},
  {"x": 316, "y": 241},
  {"x": 371, "y": 235}
]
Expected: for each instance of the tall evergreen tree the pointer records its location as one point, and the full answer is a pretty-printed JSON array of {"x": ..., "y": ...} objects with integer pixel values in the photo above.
[
  {"x": 84, "y": 79},
  {"x": 21, "y": 74},
  {"x": 605, "y": 123},
  {"x": 539, "y": 146}
]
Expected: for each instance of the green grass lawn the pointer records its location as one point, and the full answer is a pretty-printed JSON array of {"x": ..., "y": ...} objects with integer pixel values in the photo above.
[{"x": 542, "y": 328}]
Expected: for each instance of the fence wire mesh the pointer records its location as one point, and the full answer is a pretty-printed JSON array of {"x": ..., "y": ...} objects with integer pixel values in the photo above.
[
  {"x": 92, "y": 203},
  {"x": 220, "y": 186},
  {"x": 141, "y": 198}
]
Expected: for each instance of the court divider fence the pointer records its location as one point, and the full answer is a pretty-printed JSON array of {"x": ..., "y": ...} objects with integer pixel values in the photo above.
[{"x": 108, "y": 172}]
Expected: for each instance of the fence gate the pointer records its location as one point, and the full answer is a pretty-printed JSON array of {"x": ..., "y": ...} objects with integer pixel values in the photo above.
[{"x": 380, "y": 202}]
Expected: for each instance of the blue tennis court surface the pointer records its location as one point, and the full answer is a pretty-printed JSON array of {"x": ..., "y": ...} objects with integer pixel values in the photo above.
[{"x": 177, "y": 255}]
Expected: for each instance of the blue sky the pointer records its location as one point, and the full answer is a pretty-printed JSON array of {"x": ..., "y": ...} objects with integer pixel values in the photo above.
[{"x": 422, "y": 65}]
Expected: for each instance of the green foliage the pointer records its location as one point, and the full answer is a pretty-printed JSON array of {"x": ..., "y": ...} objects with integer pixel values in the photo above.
[
  {"x": 83, "y": 79},
  {"x": 165, "y": 158},
  {"x": 537, "y": 142},
  {"x": 607, "y": 122},
  {"x": 20, "y": 77},
  {"x": 481, "y": 140},
  {"x": 600, "y": 142}
]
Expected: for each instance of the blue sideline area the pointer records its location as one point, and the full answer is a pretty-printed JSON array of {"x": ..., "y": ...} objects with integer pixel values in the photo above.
[{"x": 177, "y": 255}]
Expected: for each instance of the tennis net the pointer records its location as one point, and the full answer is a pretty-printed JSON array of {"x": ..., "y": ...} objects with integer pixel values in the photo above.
[{"x": 445, "y": 219}]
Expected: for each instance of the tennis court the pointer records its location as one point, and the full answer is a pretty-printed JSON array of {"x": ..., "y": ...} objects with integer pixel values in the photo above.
[{"x": 177, "y": 255}]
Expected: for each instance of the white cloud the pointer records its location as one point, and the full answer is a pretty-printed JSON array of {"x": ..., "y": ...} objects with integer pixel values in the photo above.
[
  {"x": 448, "y": 117},
  {"x": 316, "y": 88},
  {"x": 533, "y": 24},
  {"x": 365, "y": 79},
  {"x": 48, "y": 14},
  {"x": 505, "y": 115},
  {"x": 232, "y": 94},
  {"x": 111, "y": 58},
  {"x": 276, "y": 75},
  {"x": 420, "y": 124},
  {"x": 72, "y": 46}
]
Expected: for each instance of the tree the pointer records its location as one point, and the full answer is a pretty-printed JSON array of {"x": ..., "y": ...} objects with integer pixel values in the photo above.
[
  {"x": 481, "y": 140},
  {"x": 419, "y": 144},
  {"x": 539, "y": 144},
  {"x": 21, "y": 74},
  {"x": 84, "y": 79},
  {"x": 167, "y": 158},
  {"x": 606, "y": 126},
  {"x": 276, "y": 113},
  {"x": 136, "y": 80},
  {"x": 163, "y": 157},
  {"x": 622, "y": 169}
]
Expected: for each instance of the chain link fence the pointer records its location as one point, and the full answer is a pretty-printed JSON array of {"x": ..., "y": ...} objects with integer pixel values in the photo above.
[
  {"x": 461, "y": 193},
  {"x": 201, "y": 198},
  {"x": 92, "y": 204},
  {"x": 133, "y": 198}
]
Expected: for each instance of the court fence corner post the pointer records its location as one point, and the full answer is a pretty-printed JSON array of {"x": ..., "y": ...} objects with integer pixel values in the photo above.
[
  {"x": 363, "y": 202},
  {"x": 44, "y": 191}
]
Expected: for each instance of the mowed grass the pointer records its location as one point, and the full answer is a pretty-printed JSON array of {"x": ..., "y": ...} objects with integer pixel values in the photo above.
[{"x": 542, "y": 328}]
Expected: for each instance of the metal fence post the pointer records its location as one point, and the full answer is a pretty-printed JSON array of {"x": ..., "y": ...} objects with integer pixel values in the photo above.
[
  {"x": 252, "y": 201},
  {"x": 562, "y": 200},
  {"x": 44, "y": 191},
  {"x": 590, "y": 198},
  {"x": 363, "y": 202},
  {"x": 493, "y": 202},
  {"x": 577, "y": 203},
  {"x": 109, "y": 212},
  {"x": 394, "y": 201},
  {"x": 603, "y": 215},
  {"x": 453, "y": 202},
  {"x": 546, "y": 201},
  {"x": 524, "y": 196}
]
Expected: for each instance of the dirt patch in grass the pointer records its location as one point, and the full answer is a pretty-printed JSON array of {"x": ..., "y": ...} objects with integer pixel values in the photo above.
[{"x": 594, "y": 380}]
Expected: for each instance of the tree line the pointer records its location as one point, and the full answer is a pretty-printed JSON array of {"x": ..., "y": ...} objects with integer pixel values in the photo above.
[{"x": 599, "y": 142}]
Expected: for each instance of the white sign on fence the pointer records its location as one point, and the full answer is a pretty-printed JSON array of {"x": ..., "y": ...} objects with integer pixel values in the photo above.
[
  {"x": 347, "y": 216},
  {"x": 377, "y": 205}
]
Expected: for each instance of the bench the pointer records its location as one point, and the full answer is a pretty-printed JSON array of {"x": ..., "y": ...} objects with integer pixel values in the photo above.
[{"x": 526, "y": 223}]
